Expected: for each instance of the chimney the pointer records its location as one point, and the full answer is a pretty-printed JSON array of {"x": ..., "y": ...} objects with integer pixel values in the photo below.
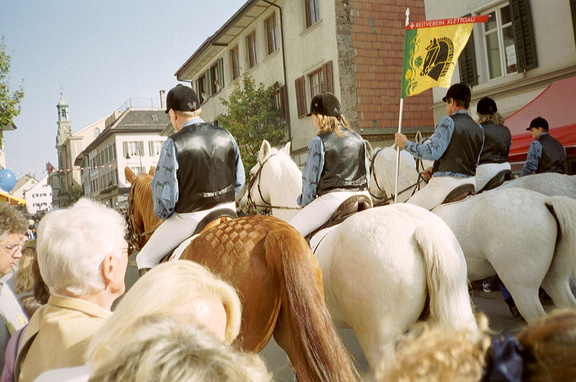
[{"x": 163, "y": 99}]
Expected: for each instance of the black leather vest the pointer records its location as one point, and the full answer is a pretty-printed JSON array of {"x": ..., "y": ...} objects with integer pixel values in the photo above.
[
  {"x": 206, "y": 167},
  {"x": 462, "y": 153},
  {"x": 344, "y": 163},
  {"x": 553, "y": 155},
  {"x": 496, "y": 144}
]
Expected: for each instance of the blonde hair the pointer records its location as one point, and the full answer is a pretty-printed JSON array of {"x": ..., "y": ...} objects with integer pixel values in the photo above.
[
  {"x": 550, "y": 345},
  {"x": 162, "y": 292},
  {"x": 495, "y": 119},
  {"x": 329, "y": 123},
  {"x": 25, "y": 276},
  {"x": 438, "y": 353},
  {"x": 166, "y": 349}
]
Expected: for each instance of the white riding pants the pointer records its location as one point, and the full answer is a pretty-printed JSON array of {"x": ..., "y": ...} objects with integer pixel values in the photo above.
[
  {"x": 171, "y": 233},
  {"x": 437, "y": 189},
  {"x": 487, "y": 171},
  {"x": 317, "y": 212}
]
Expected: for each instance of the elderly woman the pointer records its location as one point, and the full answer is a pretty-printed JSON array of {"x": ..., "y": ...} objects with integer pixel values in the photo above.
[
  {"x": 181, "y": 290},
  {"x": 82, "y": 256}
]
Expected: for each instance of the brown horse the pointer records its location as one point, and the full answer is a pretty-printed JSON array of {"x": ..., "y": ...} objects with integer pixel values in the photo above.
[{"x": 278, "y": 279}]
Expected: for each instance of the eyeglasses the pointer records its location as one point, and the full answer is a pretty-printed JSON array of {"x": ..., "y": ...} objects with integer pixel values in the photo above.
[{"x": 13, "y": 249}]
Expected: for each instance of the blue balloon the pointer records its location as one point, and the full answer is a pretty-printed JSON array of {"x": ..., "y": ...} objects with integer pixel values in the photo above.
[{"x": 7, "y": 180}]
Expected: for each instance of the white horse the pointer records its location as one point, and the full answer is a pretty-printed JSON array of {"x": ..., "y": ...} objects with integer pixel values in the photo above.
[
  {"x": 548, "y": 183},
  {"x": 527, "y": 238},
  {"x": 379, "y": 266}
]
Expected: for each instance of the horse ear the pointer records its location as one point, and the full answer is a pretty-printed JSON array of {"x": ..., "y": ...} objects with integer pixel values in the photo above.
[
  {"x": 287, "y": 148},
  {"x": 264, "y": 150},
  {"x": 152, "y": 170},
  {"x": 130, "y": 176},
  {"x": 369, "y": 149}
]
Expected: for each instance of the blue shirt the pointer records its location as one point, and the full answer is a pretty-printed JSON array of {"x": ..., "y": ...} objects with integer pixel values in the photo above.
[
  {"x": 165, "y": 182},
  {"x": 533, "y": 158},
  {"x": 313, "y": 168},
  {"x": 434, "y": 149}
]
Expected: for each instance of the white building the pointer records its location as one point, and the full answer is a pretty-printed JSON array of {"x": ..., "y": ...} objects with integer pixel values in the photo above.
[{"x": 39, "y": 197}]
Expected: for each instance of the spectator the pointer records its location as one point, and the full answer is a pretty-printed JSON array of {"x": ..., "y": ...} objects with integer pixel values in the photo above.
[
  {"x": 82, "y": 257},
  {"x": 25, "y": 278},
  {"x": 12, "y": 237},
  {"x": 179, "y": 289}
]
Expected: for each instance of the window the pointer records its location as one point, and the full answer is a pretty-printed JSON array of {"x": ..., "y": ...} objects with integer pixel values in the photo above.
[
  {"x": 271, "y": 34},
  {"x": 312, "y": 12},
  {"x": 96, "y": 132},
  {"x": 251, "y": 46},
  {"x": 499, "y": 43},
  {"x": 315, "y": 80},
  {"x": 154, "y": 148},
  {"x": 203, "y": 88},
  {"x": 133, "y": 148},
  {"x": 319, "y": 81},
  {"x": 217, "y": 76},
  {"x": 234, "y": 63}
]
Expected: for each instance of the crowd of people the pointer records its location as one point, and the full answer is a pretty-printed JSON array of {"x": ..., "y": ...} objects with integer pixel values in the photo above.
[{"x": 179, "y": 321}]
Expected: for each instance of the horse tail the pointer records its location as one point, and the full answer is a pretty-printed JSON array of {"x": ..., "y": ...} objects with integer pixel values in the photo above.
[
  {"x": 563, "y": 209},
  {"x": 308, "y": 326},
  {"x": 446, "y": 277}
]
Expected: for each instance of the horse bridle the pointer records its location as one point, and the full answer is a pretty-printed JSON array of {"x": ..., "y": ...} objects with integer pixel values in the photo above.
[
  {"x": 384, "y": 200},
  {"x": 251, "y": 204}
]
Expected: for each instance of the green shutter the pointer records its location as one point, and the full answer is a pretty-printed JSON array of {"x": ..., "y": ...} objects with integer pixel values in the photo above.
[
  {"x": 523, "y": 35},
  {"x": 467, "y": 62}
]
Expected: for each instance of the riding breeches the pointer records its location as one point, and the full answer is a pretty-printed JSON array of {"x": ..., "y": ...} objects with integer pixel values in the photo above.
[
  {"x": 317, "y": 212},
  {"x": 487, "y": 171},
  {"x": 437, "y": 190},
  {"x": 171, "y": 233}
]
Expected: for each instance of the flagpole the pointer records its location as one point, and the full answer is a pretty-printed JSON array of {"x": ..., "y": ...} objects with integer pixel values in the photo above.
[{"x": 400, "y": 129}]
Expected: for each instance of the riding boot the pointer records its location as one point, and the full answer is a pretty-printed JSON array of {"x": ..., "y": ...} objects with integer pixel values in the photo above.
[{"x": 142, "y": 271}]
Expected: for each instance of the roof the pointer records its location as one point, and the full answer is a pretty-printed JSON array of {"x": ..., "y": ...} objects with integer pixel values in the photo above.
[{"x": 556, "y": 105}]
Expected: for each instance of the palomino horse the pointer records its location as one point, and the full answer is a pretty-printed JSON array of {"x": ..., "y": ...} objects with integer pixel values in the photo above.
[
  {"x": 527, "y": 238},
  {"x": 379, "y": 266},
  {"x": 279, "y": 283}
]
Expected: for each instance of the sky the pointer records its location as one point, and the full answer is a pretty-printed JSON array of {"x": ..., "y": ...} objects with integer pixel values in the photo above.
[{"x": 99, "y": 54}]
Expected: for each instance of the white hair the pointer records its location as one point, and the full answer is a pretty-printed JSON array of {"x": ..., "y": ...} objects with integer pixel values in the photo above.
[{"x": 72, "y": 244}]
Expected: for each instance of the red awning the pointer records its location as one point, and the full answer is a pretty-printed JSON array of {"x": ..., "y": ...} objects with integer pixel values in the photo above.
[{"x": 556, "y": 104}]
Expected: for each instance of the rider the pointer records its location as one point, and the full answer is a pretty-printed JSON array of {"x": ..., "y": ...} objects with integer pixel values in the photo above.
[
  {"x": 497, "y": 142},
  {"x": 199, "y": 171},
  {"x": 545, "y": 154},
  {"x": 455, "y": 149},
  {"x": 336, "y": 165}
]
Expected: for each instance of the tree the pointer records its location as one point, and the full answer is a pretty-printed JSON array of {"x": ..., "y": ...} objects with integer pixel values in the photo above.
[
  {"x": 9, "y": 102},
  {"x": 253, "y": 115}
]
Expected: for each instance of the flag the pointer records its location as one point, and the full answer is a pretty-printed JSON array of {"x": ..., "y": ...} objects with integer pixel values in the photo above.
[
  {"x": 431, "y": 51},
  {"x": 49, "y": 167}
]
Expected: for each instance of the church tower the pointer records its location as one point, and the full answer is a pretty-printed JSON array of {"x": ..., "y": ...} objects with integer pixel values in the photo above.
[{"x": 64, "y": 127}]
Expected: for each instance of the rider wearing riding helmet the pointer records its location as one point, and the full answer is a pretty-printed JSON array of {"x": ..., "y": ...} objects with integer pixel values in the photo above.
[
  {"x": 497, "y": 142},
  {"x": 455, "y": 149},
  {"x": 336, "y": 165}
]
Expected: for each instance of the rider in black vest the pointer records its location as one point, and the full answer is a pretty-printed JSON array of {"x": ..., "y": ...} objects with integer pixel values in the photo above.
[
  {"x": 546, "y": 154},
  {"x": 199, "y": 171},
  {"x": 497, "y": 142},
  {"x": 336, "y": 166}
]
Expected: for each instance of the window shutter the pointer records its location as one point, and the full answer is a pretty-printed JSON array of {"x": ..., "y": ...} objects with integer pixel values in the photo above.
[
  {"x": 141, "y": 149},
  {"x": 327, "y": 78},
  {"x": 467, "y": 62},
  {"x": 282, "y": 102},
  {"x": 208, "y": 83},
  {"x": 301, "y": 96},
  {"x": 573, "y": 11},
  {"x": 523, "y": 35},
  {"x": 151, "y": 148},
  {"x": 125, "y": 149},
  {"x": 221, "y": 72}
]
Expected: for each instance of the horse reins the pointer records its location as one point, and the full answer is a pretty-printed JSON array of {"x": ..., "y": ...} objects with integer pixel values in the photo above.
[{"x": 251, "y": 203}]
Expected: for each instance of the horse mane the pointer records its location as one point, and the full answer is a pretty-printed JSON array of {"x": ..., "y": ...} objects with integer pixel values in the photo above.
[{"x": 143, "y": 199}]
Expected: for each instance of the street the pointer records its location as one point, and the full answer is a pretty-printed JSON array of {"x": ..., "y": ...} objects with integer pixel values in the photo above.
[{"x": 492, "y": 304}]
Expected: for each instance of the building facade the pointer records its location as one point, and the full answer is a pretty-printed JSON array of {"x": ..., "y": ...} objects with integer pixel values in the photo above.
[
  {"x": 39, "y": 197},
  {"x": 353, "y": 49},
  {"x": 524, "y": 47},
  {"x": 130, "y": 139}
]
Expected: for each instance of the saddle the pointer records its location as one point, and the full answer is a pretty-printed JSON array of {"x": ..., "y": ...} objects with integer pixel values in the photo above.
[
  {"x": 209, "y": 221},
  {"x": 459, "y": 193},
  {"x": 349, "y": 207},
  {"x": 497, "y": 180}
]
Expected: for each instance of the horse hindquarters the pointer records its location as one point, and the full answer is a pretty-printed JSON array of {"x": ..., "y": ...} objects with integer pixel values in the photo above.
[
  {"x": 304, "y": 329},
  {"x": 557, "y": 280}
]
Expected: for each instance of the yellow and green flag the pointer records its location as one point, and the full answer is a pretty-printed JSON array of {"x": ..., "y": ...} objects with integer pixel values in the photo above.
[{"x": 431, "y": 51}]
